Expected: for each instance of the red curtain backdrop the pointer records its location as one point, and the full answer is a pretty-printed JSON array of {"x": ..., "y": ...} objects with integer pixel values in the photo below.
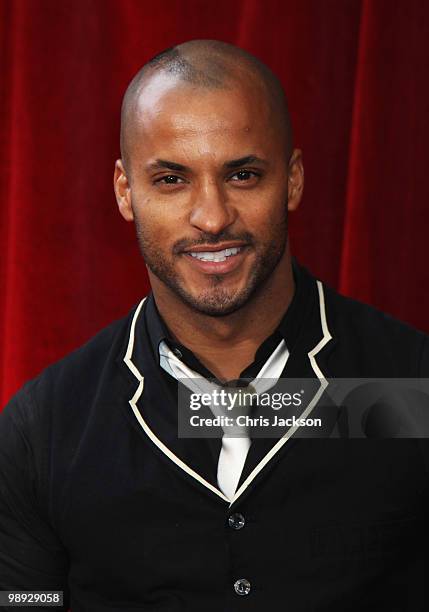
[{"x": 356, "y": 73}]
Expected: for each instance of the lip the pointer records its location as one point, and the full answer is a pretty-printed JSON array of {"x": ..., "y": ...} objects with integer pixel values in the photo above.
[{"x": 217, "y": 267}]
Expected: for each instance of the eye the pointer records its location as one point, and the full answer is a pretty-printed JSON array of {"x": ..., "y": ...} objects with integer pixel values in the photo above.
[
  {"x": 170, "y": 179},
  {"x": 243, "y": 176}
]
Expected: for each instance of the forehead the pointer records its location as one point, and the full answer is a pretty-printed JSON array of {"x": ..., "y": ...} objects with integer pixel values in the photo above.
[{"x": 174, "y": 114}]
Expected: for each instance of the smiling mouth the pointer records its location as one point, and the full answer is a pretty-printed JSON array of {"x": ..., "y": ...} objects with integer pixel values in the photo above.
[
  {"x": 207, "y": 259},
  {"x": 216, "y": 256}
]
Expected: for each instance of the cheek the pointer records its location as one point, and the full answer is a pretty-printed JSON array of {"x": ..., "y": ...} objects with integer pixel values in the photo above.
[
  {"x": 159, "y": 224},
  {"x": 264, "y": 214}
]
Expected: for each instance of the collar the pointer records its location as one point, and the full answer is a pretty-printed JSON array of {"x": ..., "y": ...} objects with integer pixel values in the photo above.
[{"x": 309, "y": 338}]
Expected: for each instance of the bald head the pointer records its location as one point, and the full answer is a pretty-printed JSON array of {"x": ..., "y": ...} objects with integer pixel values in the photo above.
[{"x": 210, "y": 65}]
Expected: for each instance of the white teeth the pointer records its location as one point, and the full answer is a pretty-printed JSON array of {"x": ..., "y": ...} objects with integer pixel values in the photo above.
[{"x": 216, "y": 255}]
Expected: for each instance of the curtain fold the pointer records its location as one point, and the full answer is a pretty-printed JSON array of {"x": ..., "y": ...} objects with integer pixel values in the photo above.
[
  {"x": 384, "y": 258},
  {"x": 355, "y": 73}
]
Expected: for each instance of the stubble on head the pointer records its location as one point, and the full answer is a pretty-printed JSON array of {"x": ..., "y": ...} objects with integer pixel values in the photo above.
[{"x": 209, "y": 65}]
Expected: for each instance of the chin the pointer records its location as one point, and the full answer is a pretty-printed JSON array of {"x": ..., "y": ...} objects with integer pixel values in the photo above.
[{"x": 216, "y": 303}]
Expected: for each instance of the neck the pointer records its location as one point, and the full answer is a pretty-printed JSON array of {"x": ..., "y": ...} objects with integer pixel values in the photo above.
[{"x": 227, "y": 345}]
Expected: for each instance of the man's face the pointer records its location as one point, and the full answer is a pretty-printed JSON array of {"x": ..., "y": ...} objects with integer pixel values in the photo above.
[{"x": 208, "y": 192}]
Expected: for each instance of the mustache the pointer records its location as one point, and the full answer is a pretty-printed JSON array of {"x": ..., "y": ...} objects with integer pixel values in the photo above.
[{"x": 212, "y": 239}]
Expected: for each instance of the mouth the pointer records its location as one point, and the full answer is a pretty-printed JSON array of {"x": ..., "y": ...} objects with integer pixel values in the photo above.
[
  {"x": 214, "y": 260},
  {"x": 215, "y": 255}
]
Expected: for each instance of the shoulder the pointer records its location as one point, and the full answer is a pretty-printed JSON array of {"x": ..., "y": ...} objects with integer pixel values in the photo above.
[
  {"x": 71, "y": 400},
  {"x": 74, "y": 378},
  {"x": 361, "y": 318},
  {"x": 391, "y": 346}
]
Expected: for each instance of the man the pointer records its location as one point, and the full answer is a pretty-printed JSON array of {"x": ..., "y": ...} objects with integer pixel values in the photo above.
[{"x": 100, "y": 496}]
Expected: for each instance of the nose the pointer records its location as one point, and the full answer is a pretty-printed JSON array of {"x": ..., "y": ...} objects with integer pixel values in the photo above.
[{"x": 211, "y": 212}]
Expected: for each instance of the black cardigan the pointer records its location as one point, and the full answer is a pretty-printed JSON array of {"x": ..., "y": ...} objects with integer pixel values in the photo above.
[{"x": 101, "y": 499}]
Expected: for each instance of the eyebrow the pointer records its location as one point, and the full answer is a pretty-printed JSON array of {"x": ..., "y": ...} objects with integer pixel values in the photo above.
[
  {"x": 159, "y": 164},
  {"x": 243, "y": 161}
]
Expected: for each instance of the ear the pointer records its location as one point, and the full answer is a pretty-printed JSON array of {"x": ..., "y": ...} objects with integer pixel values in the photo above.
[
  {"x": 122, "y": 191},
  {"x": 295, "y": 180}
]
